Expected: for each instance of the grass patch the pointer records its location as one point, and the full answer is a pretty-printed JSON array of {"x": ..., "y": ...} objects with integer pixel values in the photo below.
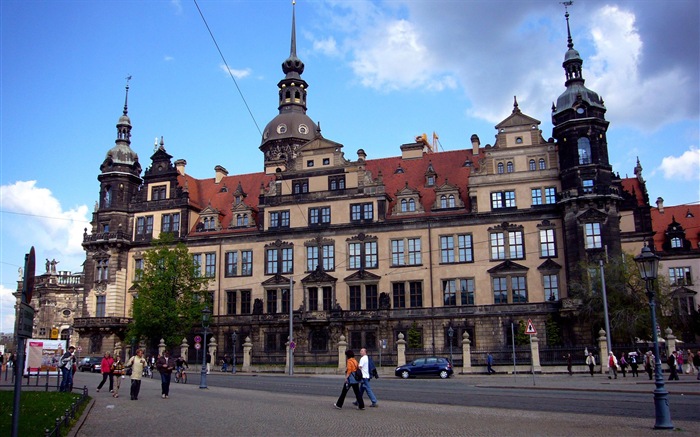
[{"x": 37, "y": 412}]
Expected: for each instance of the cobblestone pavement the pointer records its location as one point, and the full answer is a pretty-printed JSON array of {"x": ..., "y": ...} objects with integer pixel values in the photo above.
[{"x": 220, "y": 411}]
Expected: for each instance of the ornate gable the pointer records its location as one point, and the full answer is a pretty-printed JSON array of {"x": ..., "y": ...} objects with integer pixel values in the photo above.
[
  {"x": 507, "y": 267},
  {"x": 408, "y": 201},
  {"x": 447, "y": 197}
]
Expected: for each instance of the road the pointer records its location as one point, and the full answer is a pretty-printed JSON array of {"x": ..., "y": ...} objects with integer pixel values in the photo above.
[{"x": 463, "y": 391}]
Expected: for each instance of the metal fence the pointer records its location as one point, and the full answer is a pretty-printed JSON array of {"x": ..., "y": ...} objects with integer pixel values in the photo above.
[{"x": 63, "y": 423}]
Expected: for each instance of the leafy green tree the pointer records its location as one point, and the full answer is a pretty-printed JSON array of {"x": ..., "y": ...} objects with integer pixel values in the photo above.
[
  {"x": 521, "y": 338},
  {"x": 628, "y": 305},
  {"x": 171, "y": 294},
  {"x": 553, "y": 332},
  {"x": 415, "y": 339}
]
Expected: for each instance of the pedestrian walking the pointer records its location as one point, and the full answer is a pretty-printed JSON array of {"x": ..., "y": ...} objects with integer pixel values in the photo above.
[
  {"x": 208, "y": 362},
  {"x": 118, "y": 372},
  {"x": 634, "y": 364},
  {"x": 623, "y": 365},
  {"x": 367, "y": 366},
  {"x": 489, "y": 363},
  {"x": 569, "y": 364},
  {"x": 67, "y": 361},
  {"x": 224, "y": 363},
  {"x": 165, "y": 366},
  {"x": 352, "y": 380},
  {"x": 612, "y": 365},
  {"x": 136, "y": 363},
  {"x": 106, "y": 370},
  {"x": 671, "y": 361},
  {"x": 679, "y": 361},
  {"x": 590, "y": 362},
  {"x": 690, "y": 360},
  {"x": 649, "y": 363},
  {"x": 696, "y": 363}
]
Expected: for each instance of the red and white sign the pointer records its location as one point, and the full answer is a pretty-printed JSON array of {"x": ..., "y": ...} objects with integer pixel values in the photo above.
[
  {"x": 530, "y": 327},
  {"x": 79, "y": 348},
  {"x": 197, "y": 339},
  {"x": 197, "y": 346}
]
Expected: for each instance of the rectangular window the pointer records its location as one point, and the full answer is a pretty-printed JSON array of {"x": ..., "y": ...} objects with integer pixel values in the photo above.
[
  {"x": 414, "y": 252},
  {"x": 397, "y": 253},
  {"x": 230, "y": 302},
  {"x": 466, "y": 288},
  {"x": 158, "y": 193},
  {"x": 399, "y": 294},
  {"x": 416, "y": 294},
  {"x": 246, "y": 263},
  {"x": 503, "y": 199},
  {"x": 102, "y": 270},
  {"x": 271, "y": 301},
  {"x": 320, "y": 216},
  {"x": 210, "y": 265},
  {"x": 680, "y": 276},
  {"x": 500, "y": 290},
  {"x": 170, "y": 222},
  {"x": 138, "y": 269},
  {"x": 245, "y": 301},
  {"x": 165, "y": 223},
  {"x": 361, "y": 212},
  {"x": 149, "y": 225},
  {"x": 498, "y": 245},
  {"x": 550, "y": 195},
  {"x": 519, "y": 289},
  {"x": 285, "y": 300},
  {"x": 327, "y": 298},
  {"x": 231, "y": 260},
  {"x": 536, "y": 196},
  {"x": 197, "y": 260},
  {"x": 371, "y": 258},
  {"x": 447, "y": 246},
  {"x": 449, "y": 292},
  {"x": 140, "y": 225},
  {"x": 279, "y": 219},
  {"x": 176, "y": 222},
  {"x": 551, "y": 287},
  {"x": 144, "y": 226},
  {"x": 313, "y": 299},
  {"x": 465, "y": 251},
  {"x": 588, "y": 186},
  {"x": 354, "y": 256},
  {"x": 516, "y": 245},
  {"x": 279, "y": 260},
  {"x": 548, "y": 247},
  {"x": 355, "y": 298},
  {"x": 593, "y": 236},
  {"x": 371, "y": 297},
  {"x": 101, "y": 306}
]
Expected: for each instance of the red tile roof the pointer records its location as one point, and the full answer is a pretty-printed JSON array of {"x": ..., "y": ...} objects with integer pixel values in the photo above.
[{"x": 688, "y": 216}]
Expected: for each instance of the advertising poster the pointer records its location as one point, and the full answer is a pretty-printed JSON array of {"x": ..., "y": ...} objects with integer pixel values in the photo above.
[{"x": 43, "y": 355}]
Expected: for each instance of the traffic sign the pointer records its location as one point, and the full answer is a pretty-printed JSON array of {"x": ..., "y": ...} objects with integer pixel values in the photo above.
[
  {"x": 197, "y": 339},
  {"x": 79, "y": 348},
  {"x": 292, "y": 345},
  {"x": 530, "y": 327},
  {"x": 197, "y": 346},
  {"x": 25, "y": 321}
]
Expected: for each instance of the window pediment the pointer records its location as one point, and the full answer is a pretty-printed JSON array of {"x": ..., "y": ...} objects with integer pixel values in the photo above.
[
  {"x": 505, "y": 226},
  {"x": 408, "y": 201}
]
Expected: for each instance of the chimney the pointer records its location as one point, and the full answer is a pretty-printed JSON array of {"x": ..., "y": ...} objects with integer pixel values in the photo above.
[
  {"x": 475, "y": 144},
  {"x": 220, "y": 173},
  {"x": 180, "y": 166},
  {"x": 361, "y": 155},
  {"x": 660, "y": 204}
]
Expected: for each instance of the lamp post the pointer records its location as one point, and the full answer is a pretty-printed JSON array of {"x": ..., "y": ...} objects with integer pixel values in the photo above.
[
  {"x": 234, "y": 337},
  {"x": 450, "y": 333},
  {"x": 206, "y": 314},
  {"x": 648, "y": 264}
]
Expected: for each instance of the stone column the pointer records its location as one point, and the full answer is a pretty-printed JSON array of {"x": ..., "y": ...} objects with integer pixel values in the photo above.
[
  {"x": 161, "y": 347},
  {"x": 247, "y": 354},
  {"x": 670, "y": 341},
  {"x": 342, "y": 347},
  {"x": 466, "y": 353},
  {"x": 184, "y": 349},
  {"x": 603, "y": 349},
  {"x": 400, "y": 350},
  {"x": 535, "y": 351},
  {"x": 212, "y": 351}
]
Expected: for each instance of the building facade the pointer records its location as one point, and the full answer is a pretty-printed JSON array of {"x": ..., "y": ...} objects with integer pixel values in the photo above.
[{"x": 461, "y": 241}]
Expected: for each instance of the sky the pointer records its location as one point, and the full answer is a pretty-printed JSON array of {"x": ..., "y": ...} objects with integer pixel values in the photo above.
[{"x": 379, "y": 73}]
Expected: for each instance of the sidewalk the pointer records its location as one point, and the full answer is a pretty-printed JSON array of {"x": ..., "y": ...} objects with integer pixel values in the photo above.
[{"x": 220, "y": 411}]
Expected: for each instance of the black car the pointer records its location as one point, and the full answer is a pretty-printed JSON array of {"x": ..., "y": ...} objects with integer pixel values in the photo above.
[
  {"x": 429, "y": 366},
  {"x": 92, "y": 364}
]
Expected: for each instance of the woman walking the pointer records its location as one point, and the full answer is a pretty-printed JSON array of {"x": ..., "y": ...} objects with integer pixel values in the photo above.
[
  {"x": 118, "y": 372},
  {"x": 106, "y": 369},
  {"x": 351, "y": 381}
]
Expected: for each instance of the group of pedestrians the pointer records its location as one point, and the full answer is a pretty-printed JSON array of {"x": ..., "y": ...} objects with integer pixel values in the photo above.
[
  {"x": 358, "y": 376},
  {"x": 676, "y": 361}
]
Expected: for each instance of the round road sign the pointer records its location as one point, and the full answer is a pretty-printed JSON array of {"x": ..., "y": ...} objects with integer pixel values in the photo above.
[
  {"x": 197, "y": 345},
  {"x": 197, "y": 339}
]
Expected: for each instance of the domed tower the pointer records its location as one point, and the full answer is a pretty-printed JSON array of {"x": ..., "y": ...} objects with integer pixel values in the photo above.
[
  {"x": 590, "y": 197},
  {"x": 292, "y": 128}
]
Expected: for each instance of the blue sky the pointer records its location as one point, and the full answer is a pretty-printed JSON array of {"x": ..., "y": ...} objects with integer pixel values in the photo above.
[{"x": 379, "y": 73}]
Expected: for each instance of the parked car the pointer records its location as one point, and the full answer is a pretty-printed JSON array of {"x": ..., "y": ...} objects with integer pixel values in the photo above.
[
  {"x": 428, "y": 366},
  {"x": 92, "y": 364}
]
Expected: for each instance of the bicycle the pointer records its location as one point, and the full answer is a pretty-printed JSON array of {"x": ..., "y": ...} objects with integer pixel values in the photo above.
[{"x": 181, "y": 376}]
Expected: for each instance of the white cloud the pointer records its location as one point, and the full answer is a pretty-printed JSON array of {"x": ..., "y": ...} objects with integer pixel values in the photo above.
[
  {"x": 168, "y": 58},
  {"x": 238, "y": 74},
  {"x": 7, "y": 309},
  {"x": 177, "y": 5},
  {"x": 327, "y": 46},
  {"x": 685, "y": 167}
]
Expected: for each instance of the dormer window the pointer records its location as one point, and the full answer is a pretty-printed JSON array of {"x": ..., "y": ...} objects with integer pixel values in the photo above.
[
  {"x": 676, "y": 243},
  {"x": 430, "y": 175},
  {"x": 519, "y": 140},
  {"x": 408, "y": 205}
]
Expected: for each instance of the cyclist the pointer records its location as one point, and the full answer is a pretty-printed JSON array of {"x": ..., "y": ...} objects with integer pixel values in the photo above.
[{"x": 180, "y": 366}]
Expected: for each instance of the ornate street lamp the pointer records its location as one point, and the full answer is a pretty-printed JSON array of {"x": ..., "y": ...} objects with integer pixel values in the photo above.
[
  {"x": 206, "y": 314},
  {"x": 648, "y": 264},
  {"x": 450, "y": 333},
  {"x": 234, "y": 337}
]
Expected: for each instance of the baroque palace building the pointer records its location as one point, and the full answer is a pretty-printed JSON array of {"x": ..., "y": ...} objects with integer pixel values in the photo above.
[{"x": 472, "y": 239}]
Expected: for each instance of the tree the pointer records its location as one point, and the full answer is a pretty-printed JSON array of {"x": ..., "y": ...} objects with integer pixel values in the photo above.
[
  {"x": 171, "y": 294},
  {"x": 628, "y": 305}
]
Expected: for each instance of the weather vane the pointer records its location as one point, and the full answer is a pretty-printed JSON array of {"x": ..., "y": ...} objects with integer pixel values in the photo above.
[{"x": 567, "y": 4}]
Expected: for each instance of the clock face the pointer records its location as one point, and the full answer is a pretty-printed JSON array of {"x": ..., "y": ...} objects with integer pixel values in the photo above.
[
  {"x": 281, "y": 128},
  {"x": 303, "y": 129}
]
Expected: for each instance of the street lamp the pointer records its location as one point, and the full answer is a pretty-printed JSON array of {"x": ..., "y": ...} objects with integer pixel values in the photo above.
[
  {"x": 450, "y": 333},
  {"x": 234, "y": 337},
  {"x": 648, "y": 264},
  {"x": 206, "y": 314}
]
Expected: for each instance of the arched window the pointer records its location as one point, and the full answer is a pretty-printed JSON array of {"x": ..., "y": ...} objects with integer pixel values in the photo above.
[
  {"x": 404, "y": 205},
  {"x": 245, "y": 220},
  {"x": 500, "y": 168},
  {"x": 108, "y": 196},
  {"x": 451, "y": 201},
  {"x": 542, "y": 164},
  {"x": 411, "y": 205},
  {"x": 584, "y": 151},
  {"x": 239, "y": 220},
  {"x": 532, "y": 165},
  {"x": 676, "y": 243},
  {"x": 510, "y": 167},
  {"x": 443, "y": 201}
]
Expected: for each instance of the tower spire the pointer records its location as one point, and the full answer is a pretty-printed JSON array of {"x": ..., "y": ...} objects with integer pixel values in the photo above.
[
  {"x": 126, "y": 97},
  {"x": 293, "y": 49}
]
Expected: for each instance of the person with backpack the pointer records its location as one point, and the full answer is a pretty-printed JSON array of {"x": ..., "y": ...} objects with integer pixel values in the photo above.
[{"x": 368, "y": 371}]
